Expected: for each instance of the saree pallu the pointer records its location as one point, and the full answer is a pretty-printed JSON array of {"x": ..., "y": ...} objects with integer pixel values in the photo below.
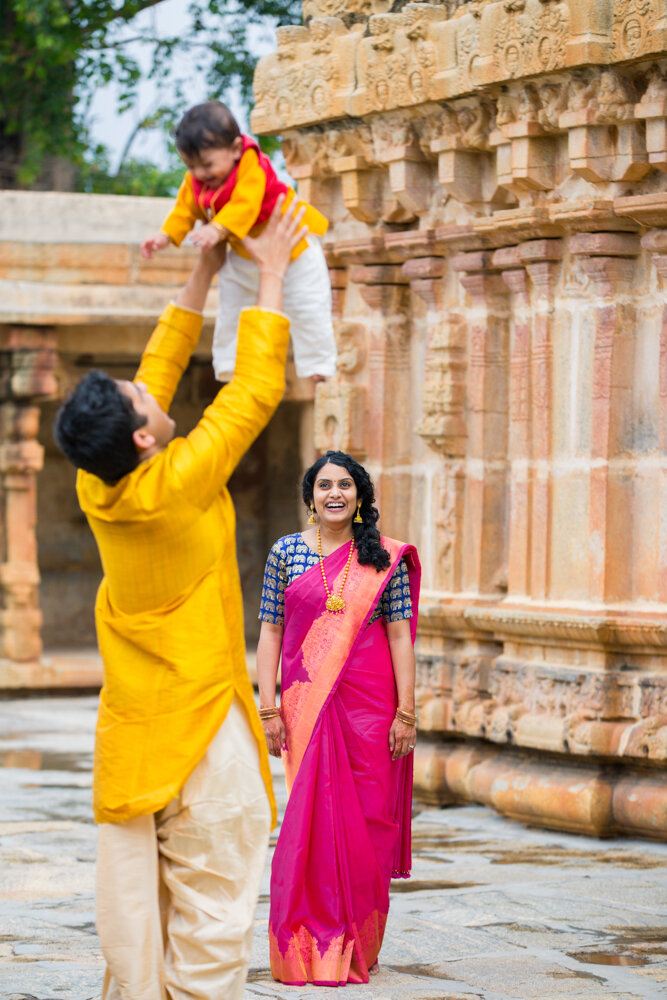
[{"x": 347, "y": 825}]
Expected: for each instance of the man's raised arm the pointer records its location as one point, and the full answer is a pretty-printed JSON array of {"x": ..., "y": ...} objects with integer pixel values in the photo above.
[
  {"x": 176, "y": 335},
  {"x": 204, "y": 461}
]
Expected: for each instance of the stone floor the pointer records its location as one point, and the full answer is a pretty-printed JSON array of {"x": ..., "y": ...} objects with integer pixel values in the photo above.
[{"x": 494, "y": 910}]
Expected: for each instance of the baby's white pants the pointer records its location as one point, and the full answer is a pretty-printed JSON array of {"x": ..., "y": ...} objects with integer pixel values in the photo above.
[{"x": 306, "y": 303}]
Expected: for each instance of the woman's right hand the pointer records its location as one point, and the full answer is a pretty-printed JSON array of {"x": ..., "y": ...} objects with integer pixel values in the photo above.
[{"x": 276, "y": 737}]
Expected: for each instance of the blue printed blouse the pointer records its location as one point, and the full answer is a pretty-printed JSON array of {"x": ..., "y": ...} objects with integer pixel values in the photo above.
[{"x": 290, "y": 556}]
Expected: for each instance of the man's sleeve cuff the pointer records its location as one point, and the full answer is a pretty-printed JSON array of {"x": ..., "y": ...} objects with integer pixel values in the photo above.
[
  {"x": 186, "y": 309},
  {"x": 274, "y": 312}
]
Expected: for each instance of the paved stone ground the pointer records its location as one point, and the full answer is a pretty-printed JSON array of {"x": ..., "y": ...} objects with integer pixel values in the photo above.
[{"x": 494, "y": 910}]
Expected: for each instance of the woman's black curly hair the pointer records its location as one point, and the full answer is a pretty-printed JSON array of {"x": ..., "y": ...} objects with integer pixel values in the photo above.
[{"x": 366, "y": 535}]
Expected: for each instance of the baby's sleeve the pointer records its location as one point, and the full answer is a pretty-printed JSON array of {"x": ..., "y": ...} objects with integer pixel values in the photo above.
[{"x": 183, "y": 215}]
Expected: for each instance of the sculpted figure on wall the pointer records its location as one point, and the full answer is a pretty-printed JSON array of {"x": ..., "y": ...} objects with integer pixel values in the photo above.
[
  {"x": 526, "y": 36},
  {"x": 614, "y": 100},
  {"x": 553, "y": 99},
  {"x": 632, "y": 21},
  {"x": 443, "y": 417},
  {"x": 309, "y": 78}
]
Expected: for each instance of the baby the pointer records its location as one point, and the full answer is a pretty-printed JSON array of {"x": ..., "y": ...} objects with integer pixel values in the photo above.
[{"x": 232, "y": 188}]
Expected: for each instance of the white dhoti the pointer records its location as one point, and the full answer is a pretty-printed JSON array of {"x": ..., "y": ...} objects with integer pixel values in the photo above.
[
  {"x": 306, "y": 303},
  {"x": 177, "y": 890}
]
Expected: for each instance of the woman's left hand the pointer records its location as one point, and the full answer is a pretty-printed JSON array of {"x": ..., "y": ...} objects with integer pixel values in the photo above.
[{"x": 402, "y": 739}]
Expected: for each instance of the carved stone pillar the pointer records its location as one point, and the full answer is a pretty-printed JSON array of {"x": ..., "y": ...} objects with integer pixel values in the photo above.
[
  {"x": 609, "y": 261},
  {"x": 485, "y": 542},
  {"x": 519, "y": 440},
  {"x": 542, "y": 261},
  {"x": 388, "y": 424},
  {"x": 27, "y": 362},
  {"x": 442, "y": 424},
  {"x": 656, "y": 241}
]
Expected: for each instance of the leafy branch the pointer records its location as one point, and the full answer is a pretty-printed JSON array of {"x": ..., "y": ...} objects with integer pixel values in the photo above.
[{"x": 54, "y": 54}]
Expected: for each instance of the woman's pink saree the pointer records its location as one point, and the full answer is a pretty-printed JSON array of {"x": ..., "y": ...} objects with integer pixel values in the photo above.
[{"x": 347, "y": 824}]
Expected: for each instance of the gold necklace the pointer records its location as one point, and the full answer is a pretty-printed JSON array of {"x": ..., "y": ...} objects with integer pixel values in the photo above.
[{"x": 335, "y": 602}]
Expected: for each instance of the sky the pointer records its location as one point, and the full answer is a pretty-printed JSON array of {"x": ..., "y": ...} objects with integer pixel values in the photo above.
[{"x": 112, "y": 129}]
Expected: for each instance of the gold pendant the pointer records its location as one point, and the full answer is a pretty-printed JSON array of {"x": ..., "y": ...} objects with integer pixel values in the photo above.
[{"x": 335, "y": 603}]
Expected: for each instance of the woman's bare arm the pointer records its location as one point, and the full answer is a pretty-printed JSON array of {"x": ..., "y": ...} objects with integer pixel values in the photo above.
[
  {"x": 402, "y": 738},
  {"x": 268, "y": 658}
]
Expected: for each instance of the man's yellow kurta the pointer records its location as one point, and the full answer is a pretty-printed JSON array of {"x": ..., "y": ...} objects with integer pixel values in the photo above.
[{"x": 168, "y": 612}]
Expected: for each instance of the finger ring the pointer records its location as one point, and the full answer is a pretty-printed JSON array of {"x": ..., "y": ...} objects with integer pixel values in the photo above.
[{"x": 411, "y": 746}]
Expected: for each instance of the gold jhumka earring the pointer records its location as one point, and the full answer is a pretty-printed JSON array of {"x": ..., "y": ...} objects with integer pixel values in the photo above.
[
  {"x": 358, "y": 519},
  {"x": 311, "y": 519}
]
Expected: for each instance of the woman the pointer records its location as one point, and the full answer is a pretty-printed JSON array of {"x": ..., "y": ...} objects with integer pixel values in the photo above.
[{"x": 340, "y": 604}]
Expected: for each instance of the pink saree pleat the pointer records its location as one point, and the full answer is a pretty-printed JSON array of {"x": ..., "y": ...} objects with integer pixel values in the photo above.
[{"x": 347, "y": 823}]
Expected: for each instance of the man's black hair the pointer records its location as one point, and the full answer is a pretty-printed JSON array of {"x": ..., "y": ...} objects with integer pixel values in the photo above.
[
  {"x": 206, "y": 126},
  {"x": 94, "y": 428}
]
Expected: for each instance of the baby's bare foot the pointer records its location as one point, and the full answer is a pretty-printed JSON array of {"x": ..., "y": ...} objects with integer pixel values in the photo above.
[
  {"x": 317, "y": 378},
  {"x": 374, "y": 969}
]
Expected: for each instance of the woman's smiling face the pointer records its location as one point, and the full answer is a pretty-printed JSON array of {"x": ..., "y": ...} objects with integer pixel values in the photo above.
[{"x": 334, "y": 495}]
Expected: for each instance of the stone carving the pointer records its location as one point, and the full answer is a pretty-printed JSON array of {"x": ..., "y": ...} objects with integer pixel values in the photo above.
[
  {"x": 390, "y": 132},
  {"x": 529, "y": 36},
  {"x": 553, "y": 98},
  {"x": 418, "y": 17},
  {"x": 552, "y": 32},
  {"x": 656, "y": 89},
  {"x": 398, "y": 60},
  {"x": 631, "y": 27},
  {"x": 582, "y": 93},
  {"x": 358, "y": 141},
  {"x": 449, "y": 499},
  {"x": 614, "y": 101},
  {"x": 443, "y": 422},
  {"x": 309, "y": 149},
  {"x": 310, "y": 76},
  {"x": 337, "y": 8},
  {"x": 467, "y": 47},
  {"x": 433, "y": 130},
  {"x": 529, "y": 105},
  {"x": 474, "y": 123},
  {"x": 506, "y": 111},
  {"x": 339, "y": 417},
  {"x": 653, "y": 108},
  {"x": 386, "y": 65},
  {"x": 351, "y": 343}
]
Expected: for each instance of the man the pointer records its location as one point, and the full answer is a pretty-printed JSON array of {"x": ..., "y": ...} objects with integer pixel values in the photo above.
[{"x": 182, "y": 788}]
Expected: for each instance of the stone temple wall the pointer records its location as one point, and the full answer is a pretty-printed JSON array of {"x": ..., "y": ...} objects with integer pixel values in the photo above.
[{"x": 494, "y": 173}]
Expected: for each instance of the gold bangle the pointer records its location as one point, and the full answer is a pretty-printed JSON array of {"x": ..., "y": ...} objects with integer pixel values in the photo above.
[
  {"x": 220, "y": 228},
  {"x": 269, "y": 713},
  {"x": 407, "y": 717}
]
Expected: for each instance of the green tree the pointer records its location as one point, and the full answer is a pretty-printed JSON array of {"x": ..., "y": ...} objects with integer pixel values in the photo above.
[{"x": 55, "y": 53}]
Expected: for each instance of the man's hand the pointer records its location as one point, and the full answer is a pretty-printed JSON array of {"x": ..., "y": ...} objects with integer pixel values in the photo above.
[
  {"x": 272, "y": 249},
  {"x": 153, "y": 244},
  {"x": 207, "y": 237}
]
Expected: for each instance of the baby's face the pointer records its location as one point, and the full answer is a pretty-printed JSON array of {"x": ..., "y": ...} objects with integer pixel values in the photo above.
[{"x": 212, "y": 167}]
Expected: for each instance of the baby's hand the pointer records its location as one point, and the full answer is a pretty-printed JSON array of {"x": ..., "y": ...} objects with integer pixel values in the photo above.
[
  {"x": 153, "y": 244},
  {"x": 206, "y": 237}
]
